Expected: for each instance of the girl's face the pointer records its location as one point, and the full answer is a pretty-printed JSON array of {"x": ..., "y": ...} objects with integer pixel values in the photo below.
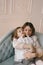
[
  {"x": 20, "y": 32},
  {"x": 28, "y": 31}
]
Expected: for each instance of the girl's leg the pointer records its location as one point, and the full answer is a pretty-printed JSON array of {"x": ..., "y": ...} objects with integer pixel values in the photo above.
[{"x": 39, "y": 62}]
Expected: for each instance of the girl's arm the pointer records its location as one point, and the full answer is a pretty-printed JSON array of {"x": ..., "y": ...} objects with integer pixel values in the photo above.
[
  {"x": 17, "y": 43},
  {"x": 20, "y": 45}
]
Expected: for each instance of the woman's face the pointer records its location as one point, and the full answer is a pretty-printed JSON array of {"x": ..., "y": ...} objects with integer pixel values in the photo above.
[{"x": 27, "y": 31}]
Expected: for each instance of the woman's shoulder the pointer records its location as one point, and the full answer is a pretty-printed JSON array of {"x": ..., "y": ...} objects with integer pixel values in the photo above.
[{"x": 34, "y": 37}]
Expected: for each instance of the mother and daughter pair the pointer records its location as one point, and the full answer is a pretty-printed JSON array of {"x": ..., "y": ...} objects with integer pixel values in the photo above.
[{"x": 26, "y": 46}]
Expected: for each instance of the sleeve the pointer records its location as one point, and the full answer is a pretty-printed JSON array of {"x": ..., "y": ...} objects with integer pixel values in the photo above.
[
  {"x": 35, "y": 41},
  {"x": 20, "y": 42},
  {"x": 39, "y": 50},
  {"x": 17, "y": 43},
  {"x": 14, "y": 42}
]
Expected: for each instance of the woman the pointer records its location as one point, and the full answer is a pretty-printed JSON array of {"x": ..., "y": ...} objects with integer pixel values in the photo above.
[
  {"x": 29, "y": 30},
  {"x": 22, "y": 45}
]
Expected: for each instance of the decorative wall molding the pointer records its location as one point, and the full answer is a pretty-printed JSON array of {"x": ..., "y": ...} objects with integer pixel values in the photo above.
[
  {"x": 2, "y": 7},
  {"x": 16, "y": 12},
  {"x": 15, "y": 6}
]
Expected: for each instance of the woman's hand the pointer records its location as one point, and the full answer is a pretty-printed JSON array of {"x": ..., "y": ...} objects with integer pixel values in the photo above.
[
  {"x": 40, "y": 54},
  {"x": 29, "y": 55},
  {"x": 26, "y": 46}
]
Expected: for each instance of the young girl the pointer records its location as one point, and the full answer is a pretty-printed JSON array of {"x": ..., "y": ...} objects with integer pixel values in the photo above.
[
  {"x": 22, "y": 44},
  {"x": 29, "y": 30}
]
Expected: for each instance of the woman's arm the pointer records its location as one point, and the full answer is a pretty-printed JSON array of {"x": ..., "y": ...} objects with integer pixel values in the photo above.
[
  {"x": 39, "y": 50},
  {"x": 27, "y": 46},
  {"x": 29, "y": 55}
]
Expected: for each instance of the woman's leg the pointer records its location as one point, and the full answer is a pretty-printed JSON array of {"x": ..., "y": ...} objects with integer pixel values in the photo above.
[
  {"x": 32, "y": 64},
  {"x": 24, "y": 62},
  {"x": 18, "y": 63},
  {"x": 39, "y": 62}
]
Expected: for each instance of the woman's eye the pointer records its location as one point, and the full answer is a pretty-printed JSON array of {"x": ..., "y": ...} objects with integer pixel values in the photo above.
[
  {"x": 30, "y": 30},
  {"x": 26, "y": 30}
]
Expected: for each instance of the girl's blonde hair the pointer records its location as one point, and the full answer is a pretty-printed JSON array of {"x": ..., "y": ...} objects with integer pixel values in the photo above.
[{"x": 14, "y": 34}]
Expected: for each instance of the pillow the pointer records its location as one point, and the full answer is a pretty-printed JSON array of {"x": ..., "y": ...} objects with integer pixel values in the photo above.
[
  {"x": 40, "y": 38},
  {"x": 6, "y": 48}
]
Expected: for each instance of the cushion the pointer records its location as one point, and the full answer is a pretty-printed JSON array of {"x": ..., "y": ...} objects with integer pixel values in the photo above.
[
  {"x": 40, "y": 38},
  {"x": 6, "y": 49},
  {"x": 9, "y": 61}
]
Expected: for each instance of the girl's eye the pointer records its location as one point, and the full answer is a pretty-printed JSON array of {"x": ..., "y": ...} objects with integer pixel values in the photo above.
[{"x": 19, "y": 31}]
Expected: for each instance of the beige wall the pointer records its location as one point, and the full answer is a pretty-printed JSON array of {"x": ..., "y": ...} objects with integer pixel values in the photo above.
[
  {"x": 37, "y": 14},
  {"x": 15, "y": 13}
]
